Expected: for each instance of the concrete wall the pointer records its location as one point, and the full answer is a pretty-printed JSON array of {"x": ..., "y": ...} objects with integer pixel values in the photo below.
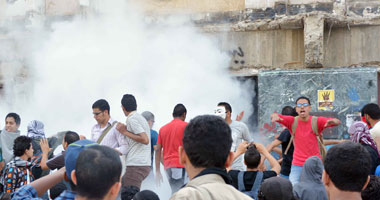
[
  {"x": 351, "y": 46},
  {"x": 264, "y": 48}
]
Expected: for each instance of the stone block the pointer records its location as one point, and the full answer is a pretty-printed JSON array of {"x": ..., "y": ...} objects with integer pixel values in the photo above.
[{"x": 313, "y": 37}]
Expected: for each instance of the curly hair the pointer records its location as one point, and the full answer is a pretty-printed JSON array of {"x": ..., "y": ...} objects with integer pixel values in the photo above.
[{"x": 21, "y": 144}]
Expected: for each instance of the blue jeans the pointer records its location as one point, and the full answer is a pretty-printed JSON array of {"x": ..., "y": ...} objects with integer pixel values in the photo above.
[
  {"x": 283, "y": 176},
  {"x": 295, "y": 173}
]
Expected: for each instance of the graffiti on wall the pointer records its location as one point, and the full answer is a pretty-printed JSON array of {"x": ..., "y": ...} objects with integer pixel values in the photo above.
[{"x": 238, "y": 60}]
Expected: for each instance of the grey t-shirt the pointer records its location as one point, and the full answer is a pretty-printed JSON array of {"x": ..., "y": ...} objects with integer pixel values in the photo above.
[
  {"x": 240, "y": 133},
  {"x": 139, "y": 154}
]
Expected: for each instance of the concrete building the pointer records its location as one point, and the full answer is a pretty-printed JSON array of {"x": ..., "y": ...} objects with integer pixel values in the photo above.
[{"x": 303, "y": 47}]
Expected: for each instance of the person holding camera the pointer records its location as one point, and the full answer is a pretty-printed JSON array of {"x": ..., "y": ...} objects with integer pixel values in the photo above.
[{"x": 250, "y": 181}]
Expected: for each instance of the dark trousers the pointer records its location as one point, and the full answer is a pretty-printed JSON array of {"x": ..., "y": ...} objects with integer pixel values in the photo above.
[{"x": 134, "y": 175}]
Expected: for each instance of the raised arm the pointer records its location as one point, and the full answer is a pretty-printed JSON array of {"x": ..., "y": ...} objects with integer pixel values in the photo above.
[
  {"x": 45, "y": 153},
  {"x": 332, "y": 122},
  {"x": 272, "y": 161}
]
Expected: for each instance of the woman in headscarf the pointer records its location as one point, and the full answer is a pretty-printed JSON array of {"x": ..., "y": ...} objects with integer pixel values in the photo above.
[
  {"x": 359, "y": 133},
  {"x": 310, "y": 186}
]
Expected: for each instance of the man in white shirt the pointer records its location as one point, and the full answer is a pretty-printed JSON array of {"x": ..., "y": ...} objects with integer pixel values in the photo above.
[
  {"x": 105, "y": 132},
  {"x": 137, "y": 131},
  {"x": 239, "y": 132}
]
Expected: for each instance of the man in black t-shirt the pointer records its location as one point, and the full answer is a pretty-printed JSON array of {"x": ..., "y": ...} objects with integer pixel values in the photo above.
[
  {"x": 284, "y": 140},
  {"x": 58, "y": 161},
  {"x": 252, "y": 159}
]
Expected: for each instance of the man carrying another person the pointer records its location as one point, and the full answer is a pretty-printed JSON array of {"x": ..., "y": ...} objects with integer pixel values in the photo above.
[
  {"x": 305, "y": 139},
  {"x": 239, "y": 132},
  {"x": 138, "y": 137},
  {"x": 170, "y": 139}
]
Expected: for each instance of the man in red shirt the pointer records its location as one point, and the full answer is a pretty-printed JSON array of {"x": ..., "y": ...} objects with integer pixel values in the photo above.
[
  {"x": 170, "y": 139},
  {"x": 305, "y": 140}
]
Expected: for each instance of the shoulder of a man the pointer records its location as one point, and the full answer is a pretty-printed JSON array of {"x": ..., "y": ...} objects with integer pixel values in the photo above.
[
  {"x": 284, "y": 135},
  {"x": 209, "y": 191},
  {"x": 26, "y": 192},
  {"x": 269, "y": 173}
]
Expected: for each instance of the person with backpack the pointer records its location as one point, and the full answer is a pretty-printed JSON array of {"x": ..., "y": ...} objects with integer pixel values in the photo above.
[
  {"x": 306, "y": 134},
  {"x": 249, "y": 181}
]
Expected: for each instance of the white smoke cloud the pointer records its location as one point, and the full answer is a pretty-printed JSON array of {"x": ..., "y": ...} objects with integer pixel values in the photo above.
[
  {"x": 76, "y": 62},
  {"x": 117, "y": 52}
]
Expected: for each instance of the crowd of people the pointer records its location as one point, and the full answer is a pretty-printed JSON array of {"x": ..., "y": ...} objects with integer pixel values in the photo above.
[{"x": 210, "y": 157}]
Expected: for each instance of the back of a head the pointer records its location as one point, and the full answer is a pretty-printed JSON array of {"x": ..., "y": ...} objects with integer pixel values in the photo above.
[
  {"x": 102, "y": 105},
  {"x": 129, "y": 102},
  {"x": 312, "y": 170},
  {"x": 56, "y": 190},
  {"x": 179, "y": 110},
  {"x": 15, "y": 116},
  {"x": 372, "y": 110},
  {"x": 128, "y": 192},
  {"x": 71, "y": 137},
  {"x": 146, "y": 195},
  {"x": 148, "y": 115},
  {"x": 207, "y": 141},
  {"x": 348, "y": 165},
  {"x": 226, "y": 105},
  {"x": 276, "y": 188},
  {"x": 288, "y": 110},
  {"x": 97, "y": 169},
  {"x": 20, "y": 144},
  {"x": 252, "y": 157},
  {"x": 372, "y": 191}
]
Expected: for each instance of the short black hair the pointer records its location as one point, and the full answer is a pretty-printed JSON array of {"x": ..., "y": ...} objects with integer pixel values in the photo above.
[
  {"x": 207, "y": 141},
  {"x": 226, "y": 105},
  {"x": 146, "y": 195},
  {"x": 179, "y": 110},
  {"x": 372, "y": 191},
  {"x": 128, "y": 192},
  {"x": 15, "y": 116},
  {"x": 56, "y": 190},
  {"x": 71, "y": 137},
  {"x": 288, "y": 110},
  {"x": 129, "y": 102},
  {"x": 348, "y": 165},
  {"x": 21, "y": 144},
  {"x": 97, "y": 169},
  {"x": 372, "y": 110},
  {"x": 252, "y": 157},
  {"x": 303, "y": 97},
  {"x": 102, "y": 105}
]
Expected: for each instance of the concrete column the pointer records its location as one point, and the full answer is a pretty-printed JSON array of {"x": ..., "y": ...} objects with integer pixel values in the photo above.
[{"x": 313, "y": 41}]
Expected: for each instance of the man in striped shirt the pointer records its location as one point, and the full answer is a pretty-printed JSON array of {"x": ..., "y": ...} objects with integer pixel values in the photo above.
[{"x": 105, "y": 132}]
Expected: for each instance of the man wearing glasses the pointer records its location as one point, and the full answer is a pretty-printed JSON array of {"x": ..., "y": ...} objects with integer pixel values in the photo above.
[
  {"x": 305, "y": 140},
  {"x": 105, "y": 132}
]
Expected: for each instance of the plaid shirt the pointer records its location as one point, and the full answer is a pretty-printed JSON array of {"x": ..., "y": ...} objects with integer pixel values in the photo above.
[{"x": 28, "y": 192}]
